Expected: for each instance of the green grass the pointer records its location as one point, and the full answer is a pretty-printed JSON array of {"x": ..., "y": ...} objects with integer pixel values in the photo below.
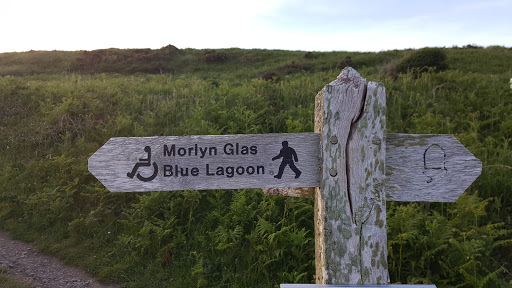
[
  {"x": 7, "y": 281},
  {"x": 36, "y": 62},
  {"x": 53, "y": 118}
]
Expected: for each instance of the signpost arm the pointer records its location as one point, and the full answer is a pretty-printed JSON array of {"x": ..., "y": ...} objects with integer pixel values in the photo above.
[{"x": 350, "y": 206}]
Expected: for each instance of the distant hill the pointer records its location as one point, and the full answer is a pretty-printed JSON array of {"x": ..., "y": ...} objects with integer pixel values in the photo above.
[{"x": 241, "y": 63}]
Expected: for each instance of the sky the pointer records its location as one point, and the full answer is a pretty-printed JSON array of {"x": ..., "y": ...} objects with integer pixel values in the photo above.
[{"x": 315, "y": 25}]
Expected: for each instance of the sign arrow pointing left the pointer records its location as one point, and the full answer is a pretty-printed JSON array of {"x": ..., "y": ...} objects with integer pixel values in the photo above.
[{"x": 136, "y": 164}]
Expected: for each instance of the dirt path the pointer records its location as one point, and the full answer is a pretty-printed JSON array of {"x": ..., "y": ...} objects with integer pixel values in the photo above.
[{"x": 40, "y": 271}]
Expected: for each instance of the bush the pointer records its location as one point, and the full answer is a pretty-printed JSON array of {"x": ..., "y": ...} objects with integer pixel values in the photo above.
[
  {"x": 276, "y": 74},
  {"x": 212, "y": 56},
  {"x": 472, "y": 46},
  {"x": 249, "y": 59},
  {"x": 272, "y": 75},
  {"x": 125, "y": 61},
  {"x": 310, "y": 55},
  {"x": 423, "y": 60},
  {"x": 347, "y": 62},
  {"x": 390, "y": 68}
]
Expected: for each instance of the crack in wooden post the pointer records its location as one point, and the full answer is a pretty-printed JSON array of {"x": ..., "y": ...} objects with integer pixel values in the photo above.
[
  {"x": 347, "y": 150},
  {"x": 350, "y": 207}
]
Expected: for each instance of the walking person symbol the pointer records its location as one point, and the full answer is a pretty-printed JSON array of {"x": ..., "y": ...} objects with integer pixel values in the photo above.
[
  {"x": 289, "y": 155},
  {"x": 144, "y": 162}
]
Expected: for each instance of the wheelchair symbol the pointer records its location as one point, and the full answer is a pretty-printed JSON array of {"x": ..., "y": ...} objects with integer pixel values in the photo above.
[{"x": 144, "y": 162}]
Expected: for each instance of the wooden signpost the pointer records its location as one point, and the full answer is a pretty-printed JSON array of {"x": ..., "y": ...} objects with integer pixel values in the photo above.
[{"x": 353, "y": 164}]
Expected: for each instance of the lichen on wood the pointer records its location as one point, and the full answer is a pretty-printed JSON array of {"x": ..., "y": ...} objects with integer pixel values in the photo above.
[{"x": 354, "y": 229}]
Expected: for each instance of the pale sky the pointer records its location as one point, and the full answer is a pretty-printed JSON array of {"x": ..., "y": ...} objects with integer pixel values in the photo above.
[{"x": 315, "y": 25}]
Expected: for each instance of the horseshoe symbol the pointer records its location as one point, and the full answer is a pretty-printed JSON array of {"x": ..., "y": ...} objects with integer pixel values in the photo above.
[{"x": 434, "y": 163}]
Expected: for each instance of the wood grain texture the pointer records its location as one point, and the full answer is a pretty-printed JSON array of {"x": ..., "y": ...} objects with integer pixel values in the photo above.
[
  {"x": 319, "y": 202},
  {"x": 114, "y": 160},
  {"x": 367, "y": 155},
  {"x": 305, "y": 192},
  {"x": 352, "y": 185},
  {"x": 430, "y": 168}
]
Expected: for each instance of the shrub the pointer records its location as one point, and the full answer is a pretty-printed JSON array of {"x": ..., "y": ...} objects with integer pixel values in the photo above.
[
  {"x": 423, "y": 60},
  {"x": 126, "y": 61},
  {"x": 310, "y": 55},
  {"x": 212, "y": 56},
  {"x": 472, "y": 46},
  {"x": 272, "y": 75},
  {"x": 346, "y": 62},
  {"x": 249, "y": 59},
  {"x": 169, "y": 50},
  {"x": 390, "y": 68},
  {"x": 295, "y": 67},
  {"x": 496, "y": 47},
  {"x": 276, "y": 74}
]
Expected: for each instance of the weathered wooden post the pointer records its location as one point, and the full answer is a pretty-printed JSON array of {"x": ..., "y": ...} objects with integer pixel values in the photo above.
[{"x": 351, "y": 205}]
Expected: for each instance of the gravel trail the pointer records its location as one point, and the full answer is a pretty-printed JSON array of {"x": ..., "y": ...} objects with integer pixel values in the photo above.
[{"x": 41, "y": 271}]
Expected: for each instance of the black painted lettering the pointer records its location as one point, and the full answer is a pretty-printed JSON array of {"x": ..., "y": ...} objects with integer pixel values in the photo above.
[
  {"x": 182, "y": 171},
  {"x": 170, "y": 152},
  {"x": 228, "y": 149},
  {"x": 195, "y": 150},
  {"x": 194, "y": 171},
  {"x": 230, "y": 171},
  {"x": 220, "y": 171},
  {"x": 208, "y": 170},
  {"x": 238, "y": 149},
  {"x": 203, "y": 151},
  {"x": 167, "y": 170}
]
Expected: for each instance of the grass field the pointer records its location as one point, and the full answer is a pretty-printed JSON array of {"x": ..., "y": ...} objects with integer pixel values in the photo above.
[
  {"x": 57, "y": 108},
  {"x": 7, "y": 281}
]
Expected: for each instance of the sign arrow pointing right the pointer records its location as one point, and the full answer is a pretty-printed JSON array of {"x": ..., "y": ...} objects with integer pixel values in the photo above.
[{"x": 428, "y": 168}]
